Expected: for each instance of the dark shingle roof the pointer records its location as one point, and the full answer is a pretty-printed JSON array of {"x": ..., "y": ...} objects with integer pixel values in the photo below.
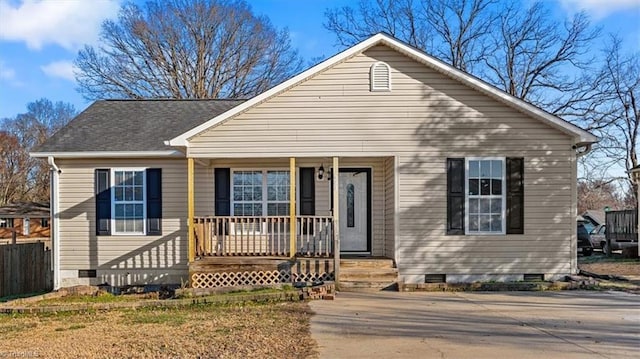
[
  {"x": 25, "y": 209},
  {"x": 133, "y": 125}
]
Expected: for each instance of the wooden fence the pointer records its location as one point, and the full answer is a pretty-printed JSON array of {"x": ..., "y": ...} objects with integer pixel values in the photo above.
[
  {"x": 622, "y": 226},
  {"x": 25, "y": 268}
]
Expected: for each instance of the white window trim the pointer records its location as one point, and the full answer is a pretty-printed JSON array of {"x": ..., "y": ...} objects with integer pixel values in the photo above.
[
  {"x": 4, "y": 221},
  {"x": 466, "y": 196},
  {"x": 264, "y": 187},
  {"x": 373, "y": 87},
  {"x": 112, "y": 179}
]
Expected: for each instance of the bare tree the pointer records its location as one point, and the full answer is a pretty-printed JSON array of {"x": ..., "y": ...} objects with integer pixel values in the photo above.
[
  {"x": 533, "y": 55},
  {"x": 455, "y": 31},
  {"x": 598, "y": 194},
  {"x": 24, "y": 178},
  {"x": 12, "y": 168},
  {"x": 609, "y": 106},
  {"x": 186, "y": 49}
]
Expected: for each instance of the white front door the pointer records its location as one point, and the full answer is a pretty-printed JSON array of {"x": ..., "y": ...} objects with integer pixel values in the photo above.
[{"x": 354, "y": 208}]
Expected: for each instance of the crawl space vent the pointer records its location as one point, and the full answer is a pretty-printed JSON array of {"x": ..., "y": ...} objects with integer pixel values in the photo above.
[
  {"x": 533, "y": 277},
  {"x": 435, "y": 278}
]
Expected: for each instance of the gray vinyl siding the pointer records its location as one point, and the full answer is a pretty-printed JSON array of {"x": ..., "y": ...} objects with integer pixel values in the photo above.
[
  {"x": 389, "y": 207},
  {"x": 426, "y": 118},
  {"x": 121, "y": 259}
]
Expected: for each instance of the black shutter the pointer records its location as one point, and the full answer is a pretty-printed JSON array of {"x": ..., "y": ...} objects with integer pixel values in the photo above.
[
  {"x": 223, "y": 191},
  {"x": 515, "y": 195},
  {"x": 154, "y": 201},
  {"x": 307, "y": 197},
  {"x": 103, "y": 202},
  {"x": 307, "y": 191},
  {"x": 455, "y": 196}
]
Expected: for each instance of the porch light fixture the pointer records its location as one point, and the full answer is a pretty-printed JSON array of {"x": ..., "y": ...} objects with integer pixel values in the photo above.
[{"x": 321, "y": 172}]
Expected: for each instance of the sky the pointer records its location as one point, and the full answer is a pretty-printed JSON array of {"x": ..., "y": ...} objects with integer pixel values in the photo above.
[{"x": 39, "y": 40}]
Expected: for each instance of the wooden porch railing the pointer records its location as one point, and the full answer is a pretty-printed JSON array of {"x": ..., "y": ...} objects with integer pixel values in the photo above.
[{"x": 262, "y": 236}]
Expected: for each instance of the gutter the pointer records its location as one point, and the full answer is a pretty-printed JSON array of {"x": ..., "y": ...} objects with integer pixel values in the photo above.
[
  {"x": 582, "y": 149},
  {"x": 55, "y": 172},
  {"x": 109, "y": 154}
]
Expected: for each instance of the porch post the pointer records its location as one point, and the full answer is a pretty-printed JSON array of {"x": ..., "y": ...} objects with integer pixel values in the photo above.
[
  {"x": 335, "y": 175},
  {"x": 190, "y": 209},
  {"x": 292, "y": 207}
]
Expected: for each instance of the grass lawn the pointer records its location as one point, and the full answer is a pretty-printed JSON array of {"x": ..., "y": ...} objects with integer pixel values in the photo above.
[{"x": 198, "y": 331}]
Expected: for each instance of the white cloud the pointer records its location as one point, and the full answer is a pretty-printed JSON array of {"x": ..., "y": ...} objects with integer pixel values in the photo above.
[
  {"x": 6, "y": 73},
  {"x": 599, "y": 9},
  {"x": 61, "y": 69},
  {"x": 67, "y": 23}
]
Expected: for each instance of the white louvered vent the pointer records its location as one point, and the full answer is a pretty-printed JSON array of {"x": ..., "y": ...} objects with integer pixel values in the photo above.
[{"x": 380, "y": 77}]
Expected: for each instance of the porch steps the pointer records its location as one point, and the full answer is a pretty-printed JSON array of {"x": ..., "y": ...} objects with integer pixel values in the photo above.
[{"x": 367, "y": 274}]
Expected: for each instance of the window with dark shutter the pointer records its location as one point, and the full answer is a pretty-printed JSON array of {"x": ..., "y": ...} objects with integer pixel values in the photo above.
[
  {"x": 222, "y": 191},
  {"x": 154, "y": 201},
  {"x": 515, "y": 195},
  {"x": 103, "y": 202},
  {"x": 455, "y": 196}
]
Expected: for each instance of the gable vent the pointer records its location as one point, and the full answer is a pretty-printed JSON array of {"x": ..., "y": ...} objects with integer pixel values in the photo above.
[{"x": 380, "y": 77}]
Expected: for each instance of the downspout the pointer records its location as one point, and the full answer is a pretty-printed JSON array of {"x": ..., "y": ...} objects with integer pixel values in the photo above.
[
  {"x": 55, "y": 216},
  {"x": 581, "y": 149}
]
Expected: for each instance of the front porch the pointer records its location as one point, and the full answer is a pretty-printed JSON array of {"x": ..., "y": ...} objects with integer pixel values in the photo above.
[{"x": 300, "y": 234}]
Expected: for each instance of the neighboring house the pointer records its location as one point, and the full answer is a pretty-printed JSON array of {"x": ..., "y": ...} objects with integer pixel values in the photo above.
[
  {"x": 27, "y": 219},
  {"x": 394, "y": 153}
]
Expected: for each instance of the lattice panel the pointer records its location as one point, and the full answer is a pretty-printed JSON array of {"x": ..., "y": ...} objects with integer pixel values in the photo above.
[
  {"x": 312, "y": 277},
  {"x": 230, "y": 279}
]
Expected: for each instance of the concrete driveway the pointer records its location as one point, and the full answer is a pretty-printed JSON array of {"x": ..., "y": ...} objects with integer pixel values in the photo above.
[{"x": 566, "y": 324}]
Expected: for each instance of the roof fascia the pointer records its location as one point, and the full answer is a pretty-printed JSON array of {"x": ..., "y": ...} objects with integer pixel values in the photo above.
[{"x": 108, "y": 154}]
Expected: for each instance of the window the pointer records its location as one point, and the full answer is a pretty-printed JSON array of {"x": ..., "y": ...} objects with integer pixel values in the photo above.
[
  {"x": 351, "y": 206},
  {"x": 6, "y": 222},
  {"x": 277, "y": 193},
  {"x": 247, "y": 193},
  {"x": 260, "y": 193},
  {"x": 485, "y": 200},
  {"x": 128, "y": 201},
  {"x": 380, "y": 77},
  {"x": 44, "y": 223}
]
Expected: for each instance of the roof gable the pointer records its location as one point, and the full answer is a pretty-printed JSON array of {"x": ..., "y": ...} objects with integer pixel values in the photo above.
[{"x": 580, "y": 135}]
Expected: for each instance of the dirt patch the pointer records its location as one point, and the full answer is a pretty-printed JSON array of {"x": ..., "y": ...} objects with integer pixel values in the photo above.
[
  {"x": 614, "y": 265},
  {"x": 202, "y": 331},
  {"x": 613, "y": 268}
]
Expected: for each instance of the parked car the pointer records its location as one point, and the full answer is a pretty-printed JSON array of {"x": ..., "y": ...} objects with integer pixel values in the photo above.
[
  {"x": 584, "y": 240},
  {"x": 598, "y": 238}
]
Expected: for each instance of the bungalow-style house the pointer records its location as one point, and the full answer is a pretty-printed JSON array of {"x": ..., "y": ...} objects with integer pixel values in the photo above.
[
  {"x": 380, "y": 154},
  {"x": 25, "y": 220}
]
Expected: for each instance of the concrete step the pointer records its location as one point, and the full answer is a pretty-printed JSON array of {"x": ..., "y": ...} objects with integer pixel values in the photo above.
[
  {"x": 372, "y": 275},
  {"x": 366, "y": 286},
  {"x": 366, "y": 263}
]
